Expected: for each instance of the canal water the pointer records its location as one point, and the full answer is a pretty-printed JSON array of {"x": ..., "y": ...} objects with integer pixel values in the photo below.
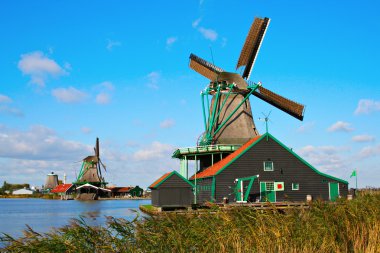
[{"x": 42, "y": 214}]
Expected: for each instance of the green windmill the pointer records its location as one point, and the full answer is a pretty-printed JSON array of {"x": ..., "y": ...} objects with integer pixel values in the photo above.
[{"x": 90, "y": 182}]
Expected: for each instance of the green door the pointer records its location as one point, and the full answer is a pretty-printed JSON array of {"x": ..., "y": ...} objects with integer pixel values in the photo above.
[
  {"x": 267, "y": 192},
  {"x": 333, "y": 191}
]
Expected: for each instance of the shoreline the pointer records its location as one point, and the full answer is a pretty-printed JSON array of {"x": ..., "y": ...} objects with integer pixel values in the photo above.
[{"x": 48, "y": 197}]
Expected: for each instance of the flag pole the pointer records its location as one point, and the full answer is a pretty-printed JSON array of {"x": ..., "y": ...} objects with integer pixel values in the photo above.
[{"x": 356, "y": 177}]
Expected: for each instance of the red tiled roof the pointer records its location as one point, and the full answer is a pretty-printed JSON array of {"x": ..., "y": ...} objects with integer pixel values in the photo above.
[
  {"x": 160, "y": 180},
  {"x": 212, "y": 170},
  {"x": 125, "y": 189},
  {"x": 61, "y": 188}
]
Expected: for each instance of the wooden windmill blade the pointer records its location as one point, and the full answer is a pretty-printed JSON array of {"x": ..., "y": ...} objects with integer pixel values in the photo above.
[
  {"x": 292, "y": 108},
  {"x": 97, "y": 154},
  {"x": 204, "y": 67},
  {"x": 252, "y": 45},
  {"x": 97, "y": 148}
]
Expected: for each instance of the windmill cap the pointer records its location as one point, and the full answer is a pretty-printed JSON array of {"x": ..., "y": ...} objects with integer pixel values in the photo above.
[{"x": 233, "y": 78}]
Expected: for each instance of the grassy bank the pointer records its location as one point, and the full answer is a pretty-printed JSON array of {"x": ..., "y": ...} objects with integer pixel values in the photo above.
[
  {"x": 352, "y": 226},
  {"x": 31, "y": 196}
]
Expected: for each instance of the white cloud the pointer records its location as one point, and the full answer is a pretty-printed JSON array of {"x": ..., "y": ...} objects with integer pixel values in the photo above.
[
  {"x": 324, "y": 157},
  {"x": 153, "y": 79},
  {"x": 103, "y": 98},
  {"x": 369, "y": 151},
  {"x": 367, "y": 106},
  {"x": 107, "y": 85},
  {"x": 9, "y": 110},
  {"x": 38, "y": 143},
  {"x": 154, "y": 151},
  {"x": 168, "y": 123},
  {"x": 363, "y": 138},
  {"x": 86, "y": 130},
  {"x": 5, "y": 99},
  {"x": 111, "y": 44},
  {"x": 69, "y": 95},
  {"x": 67, "y": 66},
  {"x": 208, "y": 33},
  {"x": 4, "y": 109},
  {"x": 196, "y": 22},
  {"x": 340, "y": 126},
  {"x": 306, "y": 127},
  {"x": 39, "y": 67},
  {"x": 170, "y": 41}
]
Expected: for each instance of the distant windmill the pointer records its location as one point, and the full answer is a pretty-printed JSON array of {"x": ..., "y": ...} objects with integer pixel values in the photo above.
[
  {"x": 229, "y": 119},
  {"x": 91, "y": 170}
]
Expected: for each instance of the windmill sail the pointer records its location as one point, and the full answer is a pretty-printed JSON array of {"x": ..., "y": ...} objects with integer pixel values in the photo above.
[
  {"x": 252, "y": 45},
  {"x": 204, "y": 67},
  {"x": 292, "y": 108}
]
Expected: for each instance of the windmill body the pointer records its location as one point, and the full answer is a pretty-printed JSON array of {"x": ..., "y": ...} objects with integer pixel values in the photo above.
[
  {"x": 90, "y": 171},
  {"x": 240, "y": 127}
]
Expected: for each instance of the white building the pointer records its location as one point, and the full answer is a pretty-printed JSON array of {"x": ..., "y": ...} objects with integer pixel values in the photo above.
[{"x": 22, "y": 191}]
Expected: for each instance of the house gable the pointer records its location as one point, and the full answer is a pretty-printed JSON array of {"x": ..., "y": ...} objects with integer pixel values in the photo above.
[
  {"x": 218, "y": 167},
  {"x": 167, "y": 177}
]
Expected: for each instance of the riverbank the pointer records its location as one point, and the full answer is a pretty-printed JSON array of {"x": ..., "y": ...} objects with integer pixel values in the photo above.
[
  {"x": 349, "y": 226},
  {"x": 30, "y": 196},
  {"x": 57, "y": 197}
]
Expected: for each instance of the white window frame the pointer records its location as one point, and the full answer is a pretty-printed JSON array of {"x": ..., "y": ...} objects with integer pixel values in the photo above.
[
  {"x": 271, "y": 166},
  {"x": 295, "y": 189}
]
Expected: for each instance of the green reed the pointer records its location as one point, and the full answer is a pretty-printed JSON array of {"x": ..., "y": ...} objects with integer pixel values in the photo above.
[{"x": 344, "y": 226}]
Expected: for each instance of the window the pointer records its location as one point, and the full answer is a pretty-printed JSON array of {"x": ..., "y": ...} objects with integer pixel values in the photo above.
[
  {"x": 295, "y": 186},
  {"x": 268, "y": 166},
  {"x": 269, "y": 186}
]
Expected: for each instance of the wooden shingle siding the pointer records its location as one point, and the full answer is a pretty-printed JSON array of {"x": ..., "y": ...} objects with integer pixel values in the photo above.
[
  {"x": 287, "y": 168},
  {"x": 174, "y": 181},
  {"x": 155, "y": 196},
  {"x": 204, "y": 190},
  {"x": 174, "y": 191}
]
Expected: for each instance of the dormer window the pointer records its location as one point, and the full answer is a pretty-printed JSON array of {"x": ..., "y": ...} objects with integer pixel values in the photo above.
[{"x": 268, "y": 166}]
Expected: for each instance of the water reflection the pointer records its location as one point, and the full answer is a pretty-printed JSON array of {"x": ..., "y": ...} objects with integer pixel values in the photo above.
[{"x": 43, "y": 215}]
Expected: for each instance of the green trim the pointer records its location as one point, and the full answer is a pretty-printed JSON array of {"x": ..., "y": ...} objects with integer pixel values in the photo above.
[
  {"x": 265, "y": 194},
  {"x": 334, "y": 198},
  {"x": 211, "y": 123},
  {"x": 248, "y": 190},
  {"x": 224, "y": 101},
  {"x": 233, "y": 112},
  {"x": 295, "y": 188},
  {"x": 271, "y": 167},
  {"x": 213, "y": 186},
  {"x": 203, "y": 109},
  {"x": 204, "y": 150},
  {"x": 171, "y": 174},
  {"x": 306, "y": 163}
]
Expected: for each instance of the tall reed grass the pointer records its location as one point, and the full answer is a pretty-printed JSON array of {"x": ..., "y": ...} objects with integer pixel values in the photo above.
[{"x": 345, "y": 226}]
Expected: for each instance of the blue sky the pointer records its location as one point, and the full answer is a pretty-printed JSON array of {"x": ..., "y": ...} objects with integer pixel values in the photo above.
[{"x": 72, "y": 71}]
